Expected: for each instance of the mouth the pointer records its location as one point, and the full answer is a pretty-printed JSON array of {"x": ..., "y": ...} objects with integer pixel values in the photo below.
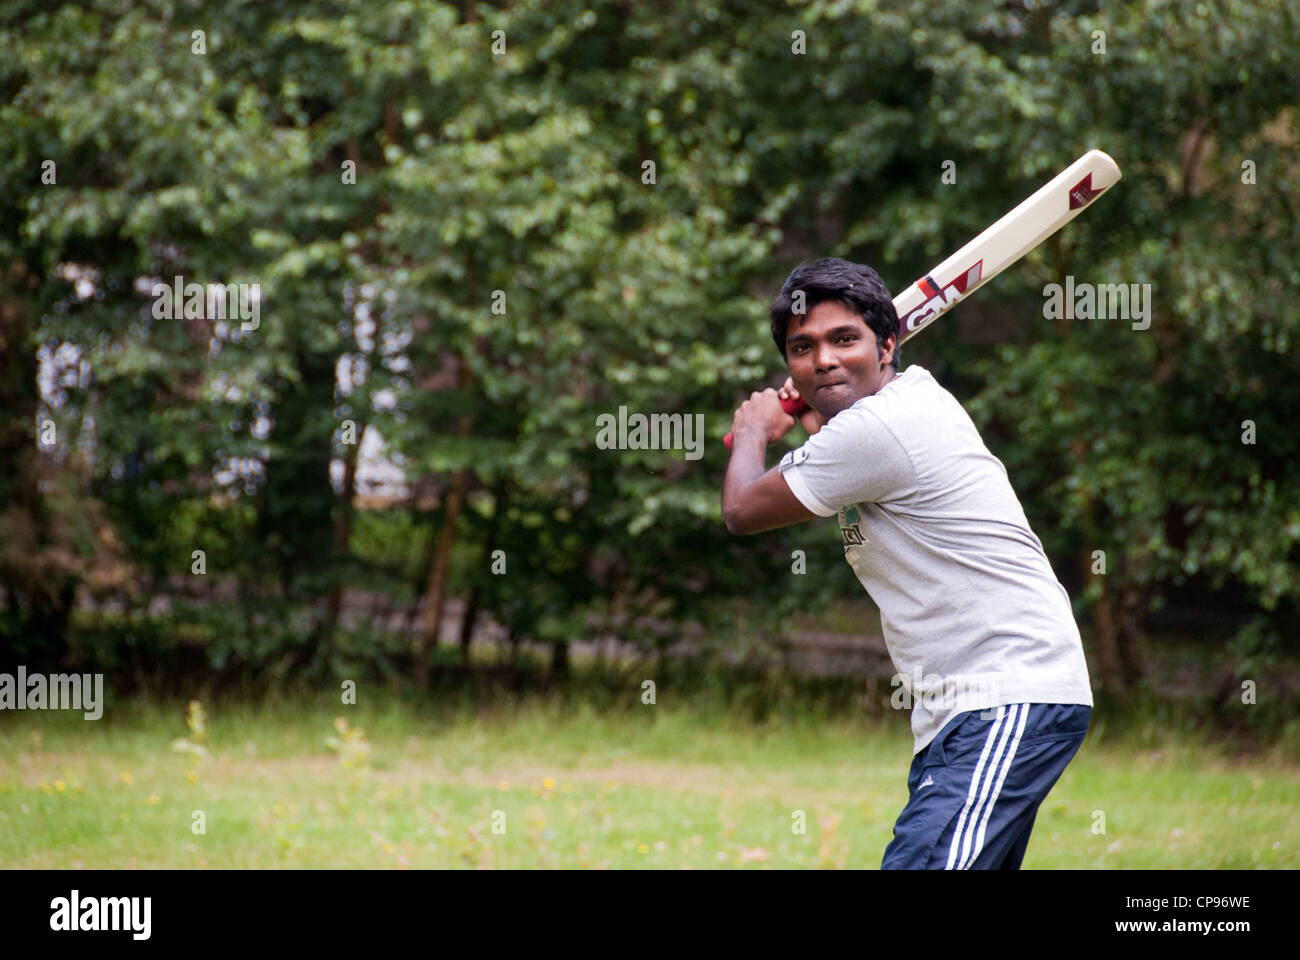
[{"x": 824, "y": 386}]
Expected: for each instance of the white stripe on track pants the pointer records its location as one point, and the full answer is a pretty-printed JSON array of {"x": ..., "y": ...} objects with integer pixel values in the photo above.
[{"x": 974, "y": 791}]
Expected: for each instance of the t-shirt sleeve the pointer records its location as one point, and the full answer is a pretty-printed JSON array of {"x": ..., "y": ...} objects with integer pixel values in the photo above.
[{"x": 855, "y": 458}]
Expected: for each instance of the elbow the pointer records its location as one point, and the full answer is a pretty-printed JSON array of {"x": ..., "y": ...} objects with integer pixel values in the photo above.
[{"x": 734, "y": 523}]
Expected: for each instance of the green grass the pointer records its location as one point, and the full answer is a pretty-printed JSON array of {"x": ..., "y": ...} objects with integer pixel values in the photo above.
[{"x": 652, "y": 787}]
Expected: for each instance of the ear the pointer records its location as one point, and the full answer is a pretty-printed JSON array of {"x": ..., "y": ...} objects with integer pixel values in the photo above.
[{"x": 887, "y": 351}]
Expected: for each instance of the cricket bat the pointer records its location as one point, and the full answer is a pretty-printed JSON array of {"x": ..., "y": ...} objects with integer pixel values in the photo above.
[{"x": 1050, "y": 208}]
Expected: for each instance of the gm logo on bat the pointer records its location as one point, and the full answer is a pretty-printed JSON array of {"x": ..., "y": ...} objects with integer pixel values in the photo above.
[{"x": 938, "y": 300}]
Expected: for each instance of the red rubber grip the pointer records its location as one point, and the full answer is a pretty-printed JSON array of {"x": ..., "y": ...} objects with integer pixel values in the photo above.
[{"x": 791, "y": 405}]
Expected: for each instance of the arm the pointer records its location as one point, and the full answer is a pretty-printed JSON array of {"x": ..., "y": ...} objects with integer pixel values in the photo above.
[{"x": 753, "y": 500}]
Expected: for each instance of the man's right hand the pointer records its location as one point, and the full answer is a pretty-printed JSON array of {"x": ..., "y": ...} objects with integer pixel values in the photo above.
[
  {"x": 812, "y": 421},
  {"x": 763, "y": 411}
]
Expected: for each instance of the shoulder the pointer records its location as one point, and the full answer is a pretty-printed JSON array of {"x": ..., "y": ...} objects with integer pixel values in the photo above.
[
  {"x": 905, "y": 392},
  {"x": 913, "y": 394},
  {"x": 914, "y": 379},
  {"x": 871, "y": 427}
]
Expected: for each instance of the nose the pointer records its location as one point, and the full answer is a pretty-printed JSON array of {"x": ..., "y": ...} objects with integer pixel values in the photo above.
[{"x": 824, "y": 357}]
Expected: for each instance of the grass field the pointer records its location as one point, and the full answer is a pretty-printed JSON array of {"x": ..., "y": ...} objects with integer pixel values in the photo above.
[{"x": 659, "y": 788}]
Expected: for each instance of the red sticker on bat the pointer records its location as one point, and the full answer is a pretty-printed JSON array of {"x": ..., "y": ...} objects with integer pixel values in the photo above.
[
  {"x": 1082, "y": 193},
  {"x": 940, "y": 299}
]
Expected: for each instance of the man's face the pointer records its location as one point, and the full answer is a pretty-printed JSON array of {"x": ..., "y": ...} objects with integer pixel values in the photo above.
[{"x": 833, "y": 358}]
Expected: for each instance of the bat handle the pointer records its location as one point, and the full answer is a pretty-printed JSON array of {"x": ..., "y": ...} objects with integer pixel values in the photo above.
[{"x": 791, "y": 405}]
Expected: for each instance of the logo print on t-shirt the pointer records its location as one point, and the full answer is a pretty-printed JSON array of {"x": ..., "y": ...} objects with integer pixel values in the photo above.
[{"x": 849, "y": 528}]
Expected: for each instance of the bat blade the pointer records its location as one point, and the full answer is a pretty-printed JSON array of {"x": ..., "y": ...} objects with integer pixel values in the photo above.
[
  {"x": 1047, "y": 210},
  {"x": 1027, "y": 225}
]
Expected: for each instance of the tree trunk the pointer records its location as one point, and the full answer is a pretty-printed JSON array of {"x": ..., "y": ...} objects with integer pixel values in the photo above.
[
  {"x": 1131, "y": 605},
  {"x": 1117, "y": 620},
  {"x": 436, "y": 595},
  {"x": 343, "y": 531},
  {"x": 1106, "y": 643},
  {"x": 475, "y": 596},
  {"x": 467, "y": 624},
  {"x": 560, "y": 659},
  {"x": 39, "y": 568},
  {"x": 296, "y": 507}
]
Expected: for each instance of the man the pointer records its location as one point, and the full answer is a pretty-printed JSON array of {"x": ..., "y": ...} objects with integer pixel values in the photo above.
[{"x": 977, "y": 624}]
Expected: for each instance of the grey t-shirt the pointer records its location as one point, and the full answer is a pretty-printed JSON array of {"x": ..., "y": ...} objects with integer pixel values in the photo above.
[{"x": 972, "y": 613}]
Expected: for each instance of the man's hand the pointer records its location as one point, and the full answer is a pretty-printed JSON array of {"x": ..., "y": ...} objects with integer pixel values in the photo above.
[
  {"x": 811, "y": 420},
  {"x": 761, "y": 414},
  {"x": 754, "y": 500}
]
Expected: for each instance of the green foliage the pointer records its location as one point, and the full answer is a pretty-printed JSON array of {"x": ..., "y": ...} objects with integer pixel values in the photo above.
[{"x": 525, "y": 174}]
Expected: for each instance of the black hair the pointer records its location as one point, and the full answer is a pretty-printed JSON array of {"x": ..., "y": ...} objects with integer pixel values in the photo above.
[{"x": 856, "y": 286}]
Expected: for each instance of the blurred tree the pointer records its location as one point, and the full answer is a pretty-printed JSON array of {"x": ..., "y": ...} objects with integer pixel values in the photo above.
[{"x": 472, "y": 244}]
